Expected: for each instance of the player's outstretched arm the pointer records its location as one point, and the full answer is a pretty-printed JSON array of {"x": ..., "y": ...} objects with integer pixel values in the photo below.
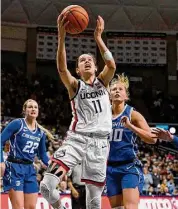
[
  {"x": 140, "y": 127},
  {"x": 165, "y": 135},
  {"x": 12, "y": 128},
  {"x": 108, "y": 72},
  {"x": 69, "y": 81}
]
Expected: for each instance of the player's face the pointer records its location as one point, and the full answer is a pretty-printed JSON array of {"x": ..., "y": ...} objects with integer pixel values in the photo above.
[
  {"x": 31, "y": 109},
  {"x": 86, "y": 65},
  {"x": 118, "y": 93}
]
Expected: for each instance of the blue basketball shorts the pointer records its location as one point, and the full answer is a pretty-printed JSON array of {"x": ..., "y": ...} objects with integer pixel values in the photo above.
[
  {"x": 20, "y": 177},
  {"x": 124, "y": 177}
]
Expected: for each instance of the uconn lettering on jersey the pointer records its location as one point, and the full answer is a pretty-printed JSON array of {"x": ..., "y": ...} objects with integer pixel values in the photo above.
[
  {"x": 31, "y": 137},
  {"x": 91, "y": 95}
]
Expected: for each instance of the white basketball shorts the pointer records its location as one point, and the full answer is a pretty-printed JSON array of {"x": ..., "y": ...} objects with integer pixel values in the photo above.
[{"x": 92, "y": 152}]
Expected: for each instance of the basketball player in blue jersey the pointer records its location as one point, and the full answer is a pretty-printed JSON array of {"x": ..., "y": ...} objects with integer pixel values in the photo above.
[
  {"x": 124, "y": 171},
  {"x": 165, "y": 136},
  {"x": 86, "y": 140},
  {"x": 27, "y": 139}
]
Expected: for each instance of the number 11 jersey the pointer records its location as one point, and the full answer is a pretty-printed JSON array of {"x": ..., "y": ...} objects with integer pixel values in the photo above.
[{"x": 91, "y": 109}]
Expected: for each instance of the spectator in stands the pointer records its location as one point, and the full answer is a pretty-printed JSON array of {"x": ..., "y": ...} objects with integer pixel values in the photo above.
[
  {"x": 148, "y": 180},
  {"x": 151, "y": 191},
  {"x": 171, "y": 186},
  {"x": 39, "y": 178},
  {"x": 156, "y": 178},
  {"x": 63, "y": 187}
]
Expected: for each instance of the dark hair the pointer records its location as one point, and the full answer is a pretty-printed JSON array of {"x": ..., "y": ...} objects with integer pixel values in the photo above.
[{"x": 94, "y": 59}]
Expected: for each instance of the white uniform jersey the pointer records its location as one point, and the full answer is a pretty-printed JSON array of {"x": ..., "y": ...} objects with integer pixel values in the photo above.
[{"x": 91, "y": 109}]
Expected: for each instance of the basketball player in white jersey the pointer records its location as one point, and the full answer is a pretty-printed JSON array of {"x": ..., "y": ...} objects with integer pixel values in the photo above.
[{"x": 86, "y": 140}]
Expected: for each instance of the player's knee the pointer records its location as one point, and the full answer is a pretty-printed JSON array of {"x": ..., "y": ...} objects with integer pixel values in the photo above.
[
  {"x": 95, "y": 203},
  {"x": 93, "y": 196},
  {"x": 130, "y": 206},
  {"x": 30, "y": 206},
  {"x": 48, "y": 188}
]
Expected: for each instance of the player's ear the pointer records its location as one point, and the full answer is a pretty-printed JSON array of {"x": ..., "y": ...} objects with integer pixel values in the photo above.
[{"x": 77, "y": 71}]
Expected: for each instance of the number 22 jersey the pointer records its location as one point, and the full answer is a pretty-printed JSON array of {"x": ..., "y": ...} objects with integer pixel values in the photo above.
[
  {"x": 123, "y": 145},
  {"x": 24, "y": 143}
]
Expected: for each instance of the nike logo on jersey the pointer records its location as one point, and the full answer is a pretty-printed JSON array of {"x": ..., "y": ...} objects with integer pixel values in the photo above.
[
  {"x": 25, "y": 129},
  {"x": 104, "y": 146}
]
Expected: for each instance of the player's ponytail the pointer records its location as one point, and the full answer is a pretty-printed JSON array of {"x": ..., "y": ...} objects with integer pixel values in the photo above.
[{"x": 48, "y": 134}]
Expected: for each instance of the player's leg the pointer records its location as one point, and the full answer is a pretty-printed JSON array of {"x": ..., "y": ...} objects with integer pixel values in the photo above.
[
  {"x": 13, "y": 182},
  {"x": 65, "y": 158},
  {"x": 131, "y": 198},
  {"x": 114, "y": 189},
  {"x": 30, "y": 188},
  {"x": 49, "y": 183},
  {"x": 17, "y": 199},
  {"x": 94, "y": 171},
  {"x": 116, "y": 202},
  {"x": 132, "y": 184},
  {"x": 30, "y": 200},
  {"x": 93, "y": 196}
]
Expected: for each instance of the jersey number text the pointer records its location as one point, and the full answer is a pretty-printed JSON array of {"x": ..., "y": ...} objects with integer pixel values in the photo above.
[
  {"x": 30, "y": 147},
  {"x": 116, "y": 135},
  {"x": 97, "y": 106}
]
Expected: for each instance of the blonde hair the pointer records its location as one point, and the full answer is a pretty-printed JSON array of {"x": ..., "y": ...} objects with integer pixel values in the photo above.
[
  {"x": 48, "y": 134},
  {"x": 121, "y": 78}
]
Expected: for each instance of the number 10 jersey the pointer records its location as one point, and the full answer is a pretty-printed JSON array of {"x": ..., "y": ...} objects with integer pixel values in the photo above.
[
  {"x": 91, "y": 109},
  {"x": 123, "y": 145}
]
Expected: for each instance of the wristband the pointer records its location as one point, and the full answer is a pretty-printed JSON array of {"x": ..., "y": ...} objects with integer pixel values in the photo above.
[{"x": 108, "y": 55}]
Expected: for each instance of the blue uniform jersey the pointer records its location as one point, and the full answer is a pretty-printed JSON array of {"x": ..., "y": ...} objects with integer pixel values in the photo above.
[
  {"x": 24, "y": 143},
  {"x": 122, "y": 140}
]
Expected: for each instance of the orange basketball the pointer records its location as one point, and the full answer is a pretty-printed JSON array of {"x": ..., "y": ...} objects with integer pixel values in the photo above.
[{"x": 77, "y": 17}]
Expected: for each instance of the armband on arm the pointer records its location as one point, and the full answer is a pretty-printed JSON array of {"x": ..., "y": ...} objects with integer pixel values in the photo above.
[{"x": 107, "y": 55}]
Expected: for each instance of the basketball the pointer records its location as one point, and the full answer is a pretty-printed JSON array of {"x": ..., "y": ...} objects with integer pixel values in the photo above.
[{"x": 78, "y": 19}]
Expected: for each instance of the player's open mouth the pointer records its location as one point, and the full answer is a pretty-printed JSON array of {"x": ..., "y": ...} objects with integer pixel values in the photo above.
[
  {"x": 117, "y": 95},
  {"x": 87, "y": 66}
]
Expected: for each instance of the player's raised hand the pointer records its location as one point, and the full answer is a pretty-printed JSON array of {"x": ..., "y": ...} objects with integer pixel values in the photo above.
[
  {"x": 99, "y": 27},
  {"x": 125, "y": 122},
  {"x": 162, "y": 134},
  {"x": 61, "y": 24}
]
